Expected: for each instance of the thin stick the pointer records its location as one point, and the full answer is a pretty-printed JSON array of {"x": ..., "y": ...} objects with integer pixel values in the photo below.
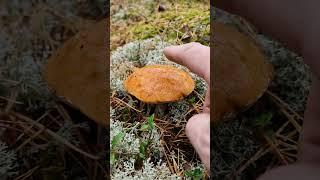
[
  {"x": 275, "y": 148},
  {"x": 10, "y": 104},
  {"x": 255, "y": 157},
  {"x": 63, "y": 113},
  {"x": 27, "y": 174},
  {"x": 282, "y": 128},
  {"x": 57, "y": 137},
  {"x": 287, "y": 139},
  {"x": 294, "y": 123},
  {"x": 122, "y": 102},
  {"x": 32, "y": 125},
  {"x": 10, "y": 100},
  {"x": 283, "y": 103},
  {"x": 30, "y": 139},
  {"x": 9, "y": 127},
  {"x": 169, "y": 163}
]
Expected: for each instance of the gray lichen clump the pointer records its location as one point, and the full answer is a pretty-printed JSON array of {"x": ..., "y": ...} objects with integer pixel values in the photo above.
[
  {"x": 292, "y": 76},
  {"x": 7, "y": 162},
  {"x": 124, "y": 167},
  {"x": 236, "y": 145}
]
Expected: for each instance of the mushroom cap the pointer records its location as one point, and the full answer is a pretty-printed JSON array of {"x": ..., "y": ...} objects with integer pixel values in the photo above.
[
  {"x": 77, "y": 72},
  {"x": 241, "y": 73},
  {"x": 159, "y": 84}
]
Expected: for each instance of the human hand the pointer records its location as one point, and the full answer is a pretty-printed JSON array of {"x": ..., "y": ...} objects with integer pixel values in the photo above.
[{"x": 196, "y": 57}]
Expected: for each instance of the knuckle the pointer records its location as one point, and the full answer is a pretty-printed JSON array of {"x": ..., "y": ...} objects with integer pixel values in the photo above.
[
  {"x": 195, "y": 44},
  {"x": 192, "y": 48},
  {"x": 191, "y": 125}
]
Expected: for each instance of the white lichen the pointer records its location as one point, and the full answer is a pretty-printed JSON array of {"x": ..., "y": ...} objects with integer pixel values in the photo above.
[
  {"x": 7, "y": 161},
  {"x": 177, "y": 110},
  {"x": 149, "y": 171},
  {"x": 127, "y": 152},
  {"x": 292, "y": 78}
]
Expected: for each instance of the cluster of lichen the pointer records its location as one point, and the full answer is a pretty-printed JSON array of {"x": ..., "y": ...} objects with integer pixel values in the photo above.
[
  {"x": 292, "y": 77},
  {"x": 233, "y": 143},
  {"x": 8, "y": 165},
  {"x": 129, "y": 144}
]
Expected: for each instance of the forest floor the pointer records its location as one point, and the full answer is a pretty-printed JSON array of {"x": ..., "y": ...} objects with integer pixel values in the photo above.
[{"x": 145, "y": 144}]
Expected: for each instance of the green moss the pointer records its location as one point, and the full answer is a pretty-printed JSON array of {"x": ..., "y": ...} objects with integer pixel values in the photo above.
[
  {"x": 144, "y": 32},
  {"x": 181, "y": 23}
]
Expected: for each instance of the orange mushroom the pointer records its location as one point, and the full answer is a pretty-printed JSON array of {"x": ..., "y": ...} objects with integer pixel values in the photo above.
[
  {"x": 241, "y": 72},
  {"x": 159, "y": 84},
  {"x": 77, "y": 72}
]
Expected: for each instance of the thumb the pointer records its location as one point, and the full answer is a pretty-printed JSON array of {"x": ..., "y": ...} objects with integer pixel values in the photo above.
[{"x": 198, "y": 132}]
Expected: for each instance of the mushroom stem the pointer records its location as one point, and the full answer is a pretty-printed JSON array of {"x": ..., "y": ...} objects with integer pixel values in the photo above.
[
  {"x": 161, "y": 109},
  {"x": 149, "y": 108}
]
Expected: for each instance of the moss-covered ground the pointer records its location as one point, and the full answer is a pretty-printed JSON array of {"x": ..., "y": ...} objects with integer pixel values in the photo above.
[{"x": 178, "y": 22}]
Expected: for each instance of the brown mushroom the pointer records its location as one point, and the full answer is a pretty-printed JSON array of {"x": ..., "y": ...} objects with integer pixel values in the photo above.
[
  {"x": 77, "y": 72},
  {"x": 241, "y": 73},
  {"x": 159, "y": 84}
]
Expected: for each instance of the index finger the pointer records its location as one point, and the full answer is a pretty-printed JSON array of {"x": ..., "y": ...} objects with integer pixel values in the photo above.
[{"x": 194, "y": 56}]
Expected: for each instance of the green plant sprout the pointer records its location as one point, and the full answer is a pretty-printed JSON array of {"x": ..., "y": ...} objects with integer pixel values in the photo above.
[{"x": 196, "y": 174}]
